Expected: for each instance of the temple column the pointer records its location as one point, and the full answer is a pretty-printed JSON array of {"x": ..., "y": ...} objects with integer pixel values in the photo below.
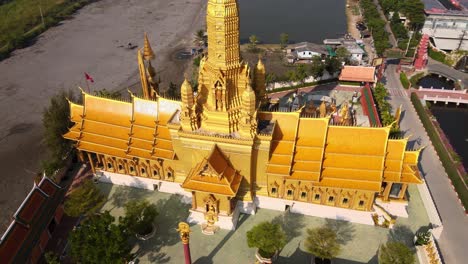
[
  {"x": 386, "y": 192},
  {"x": 90, "y": 158},
  {"x": 229, "y": 209},
  {"x": 194, "y": 201},
  {"x": 402, "y": 193},
  {"x": 81, "y": 156}
]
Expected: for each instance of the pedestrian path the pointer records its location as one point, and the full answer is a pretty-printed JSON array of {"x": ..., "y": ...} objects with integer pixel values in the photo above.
[{"x": 397, "y": 92}]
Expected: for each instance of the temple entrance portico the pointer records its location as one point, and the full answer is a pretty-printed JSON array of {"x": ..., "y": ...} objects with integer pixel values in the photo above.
[{"x": 214, "y": 184}]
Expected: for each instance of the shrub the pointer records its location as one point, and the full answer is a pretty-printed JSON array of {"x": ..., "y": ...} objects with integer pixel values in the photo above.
[
  {"x": 267, "y": 237},
  {"x": 450, "y": 167},
  {"x": 404, "y": 80},
  {"x": 422, "y": 238},
  {"x": 436, "y": 55}
]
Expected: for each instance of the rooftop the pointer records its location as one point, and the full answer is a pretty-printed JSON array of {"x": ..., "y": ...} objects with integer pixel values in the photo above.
[{"x": 357, "y": 74}]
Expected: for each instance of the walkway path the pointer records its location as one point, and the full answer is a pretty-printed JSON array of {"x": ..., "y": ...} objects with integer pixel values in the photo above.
[
  {"x": 391, "y": 37},
  {"x": 455, "y": 234}
]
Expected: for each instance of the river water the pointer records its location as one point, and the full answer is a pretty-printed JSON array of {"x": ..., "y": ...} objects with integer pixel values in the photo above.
[
  {"x": 302, "y": 20},
  {"x": 454, "y": 122}
]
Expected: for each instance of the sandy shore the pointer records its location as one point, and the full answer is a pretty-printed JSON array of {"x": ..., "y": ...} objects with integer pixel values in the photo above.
[{"x": 90, "y": 42}]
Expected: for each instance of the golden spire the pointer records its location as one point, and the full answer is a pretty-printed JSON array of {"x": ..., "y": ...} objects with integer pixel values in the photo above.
[
  {"x": 186, "y": 92},
  {"x": 148, "y": 53},
  {"x": 248, "y": 100}
]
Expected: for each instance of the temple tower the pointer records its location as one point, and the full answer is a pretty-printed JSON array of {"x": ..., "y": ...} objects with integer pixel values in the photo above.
[{"x": 223, "y": 77}]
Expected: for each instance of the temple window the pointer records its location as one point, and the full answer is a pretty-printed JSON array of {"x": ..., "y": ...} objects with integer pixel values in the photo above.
[
  {"x": 132, "y": 169},
  {"x": 273, "y": 190},
  {"x": 345, "y": 201},
  {"x": 155, "y": 173},
  {"x": 143, "y": 171},
  {"x": 331, "y": 199},
  {"x": 120, "y": 167},
  {"x": 317, "y": 197},
  {"x": 109, "y": 165},
  {"x": 169, "y": 174},
  {"x": 290, "y": 192},
  {"x": 303, "y": 195},
  {"x": 361, "y": 203}
]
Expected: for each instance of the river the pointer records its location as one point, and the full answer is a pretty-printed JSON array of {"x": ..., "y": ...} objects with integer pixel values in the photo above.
[
  {"x": 454, "y": 122},
  {"x": 302, "y": 20}
]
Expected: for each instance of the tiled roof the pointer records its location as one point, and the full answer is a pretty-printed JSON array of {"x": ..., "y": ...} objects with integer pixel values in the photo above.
[
  {"x": 357, "y": 74},
  {"x": 30, "y": 221},
  {"x": 123, "y": 129}
]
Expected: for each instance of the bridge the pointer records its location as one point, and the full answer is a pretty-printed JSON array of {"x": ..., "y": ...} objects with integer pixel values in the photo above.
[{"x": 442, "y": 95}]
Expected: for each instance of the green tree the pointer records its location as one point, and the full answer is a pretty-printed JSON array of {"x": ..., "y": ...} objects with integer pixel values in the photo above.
[
  {"x": 267, "y": 237},
  {"x": 51, "y": 258},
  {"x": 85, "y": 199},
  {"x": 316, "y": 68},
  {"x": 342, "y": 54},
  {"x": 395, "y": 253},
  {"x": 332, "y": 65},
  {"x": 284, "y": 40},
  {"x": 200, "y": 38},
  {"x": 300, "y": 73},
  {"x": 98, "y": 240},
  {"x": 108, "y": 94},
  {"x": 322, "y": 242},
  {"x": 56, "y": 121},
  {"x": 139, "y": 216},
  {"x": 253, "y": 41}
]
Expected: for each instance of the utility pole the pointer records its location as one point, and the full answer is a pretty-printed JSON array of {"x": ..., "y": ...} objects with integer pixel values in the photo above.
[
  {"x": 411, "y": 33},
  {"x": 461, "y": 39}
]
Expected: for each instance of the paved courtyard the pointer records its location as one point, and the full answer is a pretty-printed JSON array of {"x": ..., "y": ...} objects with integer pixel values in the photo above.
[{"x": 360, "y": 241}]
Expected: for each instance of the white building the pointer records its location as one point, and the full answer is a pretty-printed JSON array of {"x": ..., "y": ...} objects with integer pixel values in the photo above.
[
  {"x": 446, "y": 28},
  {"x": 305, "y": 51}
]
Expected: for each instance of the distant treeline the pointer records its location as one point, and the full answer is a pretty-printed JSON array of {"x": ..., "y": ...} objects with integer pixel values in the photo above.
[{"x": 21, "y": 20}]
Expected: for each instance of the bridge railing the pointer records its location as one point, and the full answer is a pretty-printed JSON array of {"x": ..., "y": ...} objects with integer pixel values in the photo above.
[
  {"x": 437, "y": 98},
  {"x": 432, "y": 89}
]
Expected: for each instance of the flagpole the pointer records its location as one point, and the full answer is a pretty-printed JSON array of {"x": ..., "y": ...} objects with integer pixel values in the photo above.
[{"x": 87, "y": 85}]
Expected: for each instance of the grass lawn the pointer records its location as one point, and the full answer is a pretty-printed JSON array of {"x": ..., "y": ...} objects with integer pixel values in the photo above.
[{"x": 360, "y": 242}]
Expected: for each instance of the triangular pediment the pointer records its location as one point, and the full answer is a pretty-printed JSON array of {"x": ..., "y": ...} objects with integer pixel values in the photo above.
[{"x": 214, "y": 174}]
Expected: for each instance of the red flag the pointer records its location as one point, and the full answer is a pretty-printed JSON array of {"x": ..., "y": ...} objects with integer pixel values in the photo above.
[{"x": 88, "y": 78}]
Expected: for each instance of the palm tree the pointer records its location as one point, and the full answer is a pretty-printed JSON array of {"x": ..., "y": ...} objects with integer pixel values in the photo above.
[{"x": 323, "y": 243}]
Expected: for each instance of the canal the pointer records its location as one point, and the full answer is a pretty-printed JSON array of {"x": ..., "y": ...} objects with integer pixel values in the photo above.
[
  {"x": 454, "y": 122},
  {"x": 302, "y": 20}
]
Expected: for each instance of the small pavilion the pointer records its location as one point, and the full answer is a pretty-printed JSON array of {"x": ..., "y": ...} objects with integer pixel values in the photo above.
[{"x": 358, "y": 74}]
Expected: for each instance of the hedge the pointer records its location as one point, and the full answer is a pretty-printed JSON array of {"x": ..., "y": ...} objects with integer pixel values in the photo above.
[
  {"x": 450, "y": 167},
  {"x": 404, "y": 80}
]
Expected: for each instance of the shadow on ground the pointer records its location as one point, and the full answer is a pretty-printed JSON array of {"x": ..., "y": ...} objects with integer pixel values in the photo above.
[{"x": 171, "y": 212}]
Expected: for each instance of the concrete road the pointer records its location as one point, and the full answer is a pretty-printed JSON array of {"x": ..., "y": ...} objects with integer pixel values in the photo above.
[
  {"x": 94, "y": 41},
  {"x": 454, "y": 239},
  {"x": 438, "y": 67}
]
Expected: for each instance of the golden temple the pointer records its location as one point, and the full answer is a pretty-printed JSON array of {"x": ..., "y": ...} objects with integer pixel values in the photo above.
[{"x": 219, "y": 147}]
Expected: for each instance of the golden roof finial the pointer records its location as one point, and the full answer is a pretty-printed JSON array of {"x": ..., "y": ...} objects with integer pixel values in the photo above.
[
  {"x": 148, "y": 53},
  {"x": 184, "y": 232}
]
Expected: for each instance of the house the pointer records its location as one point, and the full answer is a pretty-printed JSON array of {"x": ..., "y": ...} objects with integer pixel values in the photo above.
[
  {"x": 356, "y": 51},
  {"x": 305, "y": 51}
]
